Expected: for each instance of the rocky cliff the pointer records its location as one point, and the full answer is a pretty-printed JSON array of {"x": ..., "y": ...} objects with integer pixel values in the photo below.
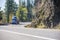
[{"x": 47, "y": 14}]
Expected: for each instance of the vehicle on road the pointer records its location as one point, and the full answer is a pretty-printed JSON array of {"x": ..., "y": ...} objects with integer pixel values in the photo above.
[{"x": 14, "y": 20}]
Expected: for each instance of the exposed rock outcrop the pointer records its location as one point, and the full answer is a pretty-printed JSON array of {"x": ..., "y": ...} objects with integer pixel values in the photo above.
[{"x": 46, "y": 13}]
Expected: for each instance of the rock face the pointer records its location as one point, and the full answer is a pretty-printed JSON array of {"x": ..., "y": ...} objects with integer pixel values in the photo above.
[
  {"x": 46, "y": 13},
  {"x": 56, "y": 16}
]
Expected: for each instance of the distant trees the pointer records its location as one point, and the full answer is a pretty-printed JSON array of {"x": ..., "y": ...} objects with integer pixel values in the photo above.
[
  {"x": 29, "y": 8},
  {"x": 25, "y": 11},
  {"x": 22, "y": 12},
  {"x": 10, "y": 8},
  {"x": 15, "y": 8},
  {"x": 0, "y": 15}
]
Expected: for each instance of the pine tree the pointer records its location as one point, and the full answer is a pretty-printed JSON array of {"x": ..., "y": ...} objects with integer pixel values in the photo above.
[
  {"x": 1, "y": 15},
  {"x": 10, "y": 9},
  {"x": 15, "y": 8},
  {"x": 22, "y": 11},
  {"x": 29, "y": 8}
]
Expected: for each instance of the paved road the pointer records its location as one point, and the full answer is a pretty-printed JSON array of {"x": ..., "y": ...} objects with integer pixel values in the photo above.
[
  {"x": 21, "y": 25},
  {"x": 15, "y": 32}
]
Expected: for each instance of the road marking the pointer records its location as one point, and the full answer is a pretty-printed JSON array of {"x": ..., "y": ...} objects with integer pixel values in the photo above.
[{"x": 27, "y": 35}]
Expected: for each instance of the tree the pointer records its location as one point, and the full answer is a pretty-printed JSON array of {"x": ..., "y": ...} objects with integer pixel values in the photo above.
[
  {"x": 29, "y": 8},
  {"x": 15, "y": 8},
  {"x": 0, "y": 14},
  {"x": 10, "y": 9},
  {"x": 22, "y": 13}
]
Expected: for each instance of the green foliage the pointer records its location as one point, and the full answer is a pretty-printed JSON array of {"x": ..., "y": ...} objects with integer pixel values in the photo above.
[
  {"x": 25, "y": 17},
  {"x": 22, "y": 13},
  {"x": 0, "y": 13},
  {"x": 29, "y": 8},
  {"x": 10, "y": 8},
  {"x": 4, "y": 20}
]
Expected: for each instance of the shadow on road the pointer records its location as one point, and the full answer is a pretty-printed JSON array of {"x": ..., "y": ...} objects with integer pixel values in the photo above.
[{"x": 3, "y": 24}]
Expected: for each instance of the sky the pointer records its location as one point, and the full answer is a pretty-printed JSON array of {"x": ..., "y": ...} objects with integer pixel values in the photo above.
[{"x": 2, "y": 3}]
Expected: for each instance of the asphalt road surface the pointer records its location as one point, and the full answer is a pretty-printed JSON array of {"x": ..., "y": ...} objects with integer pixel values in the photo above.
[{"x": 19, "y": 32}]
